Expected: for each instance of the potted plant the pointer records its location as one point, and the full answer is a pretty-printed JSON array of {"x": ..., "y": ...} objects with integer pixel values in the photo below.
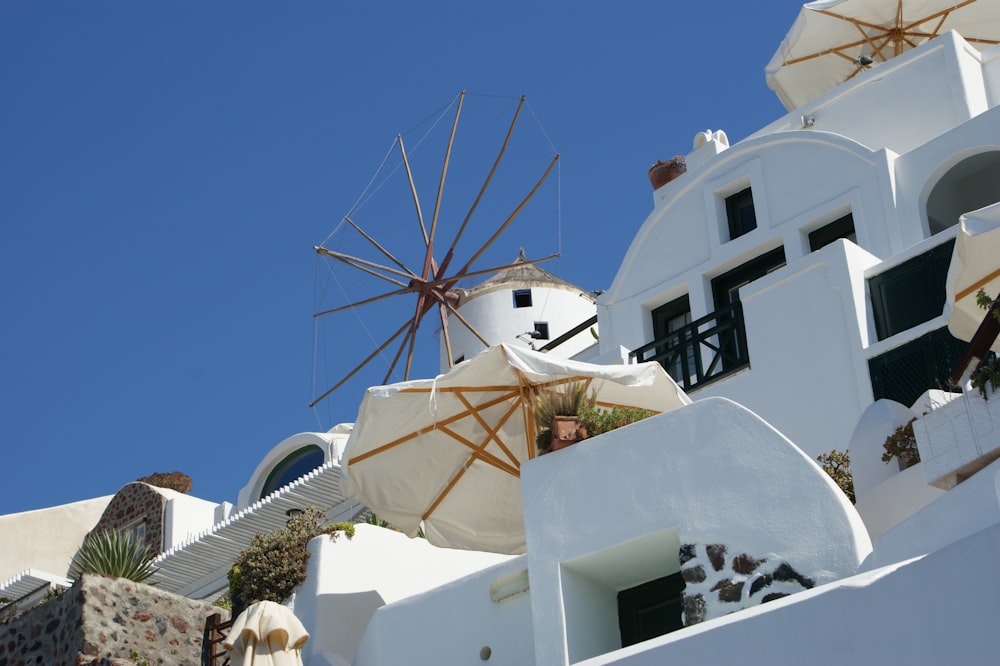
[
  {"x": 573, "y": 415},
  {"x": 560, "y": 409},
  {"x": 662, "y": 173}
]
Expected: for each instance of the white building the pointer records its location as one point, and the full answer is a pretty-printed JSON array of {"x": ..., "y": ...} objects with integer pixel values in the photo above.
[{"x": 793, "y": 284}]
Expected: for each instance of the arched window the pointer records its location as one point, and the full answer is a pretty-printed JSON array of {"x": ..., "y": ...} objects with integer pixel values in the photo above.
[
  {"x": 969, "y": 185},
  {"x": 294, "y": 466}
]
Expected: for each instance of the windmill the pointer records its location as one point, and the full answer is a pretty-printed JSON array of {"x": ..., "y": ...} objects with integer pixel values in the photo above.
[{"x": 418, "y": 262}]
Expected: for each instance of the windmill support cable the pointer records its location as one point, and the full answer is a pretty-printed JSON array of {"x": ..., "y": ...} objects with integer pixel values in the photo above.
[{"x": 362, "y": 364}]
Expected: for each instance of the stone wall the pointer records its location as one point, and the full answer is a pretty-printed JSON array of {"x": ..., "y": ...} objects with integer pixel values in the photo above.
[
  {"x": 717, "y": 582},
  {"x": 103, "y": 621}
]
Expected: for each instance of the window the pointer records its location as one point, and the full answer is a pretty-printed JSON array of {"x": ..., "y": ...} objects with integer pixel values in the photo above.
[
  {"x": 904, "y": 373},
  {"x": 137, "y": 531},
  {"x": 910, "y": 293},
  {"x": 522, "y": 298},
  {"x": 726, "y": 291},
  {"x": 740, "y": 213},
  {"x": 669, "y": 321},
  {"x": 840, "y": 228},
  {"x": 651, "y": 609},
  {"x": 458, "y": 360},
  {"x": 541, "y": 331},
  {"x": 293, "y": 467}
]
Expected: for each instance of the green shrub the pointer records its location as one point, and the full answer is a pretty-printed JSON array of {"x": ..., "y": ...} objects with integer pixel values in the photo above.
[
  {"x": 987, "y": 374},
  {"x": 178, "y": 481},
  {"x": 838, "y": 465},
  {"x": 113, "y": 553},
  {"x": 599, "y": 421},
  {"x": 275, "y": 563}
]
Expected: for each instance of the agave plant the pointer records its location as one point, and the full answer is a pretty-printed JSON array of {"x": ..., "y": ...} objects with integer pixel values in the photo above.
[{"x": 113, "y": 553}]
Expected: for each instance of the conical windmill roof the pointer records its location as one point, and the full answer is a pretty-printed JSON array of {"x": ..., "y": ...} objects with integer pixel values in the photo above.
[{"x": 521, "y": 274}]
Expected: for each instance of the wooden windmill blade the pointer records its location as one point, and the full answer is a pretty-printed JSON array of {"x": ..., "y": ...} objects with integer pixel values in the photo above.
[{"x": 426, "y": 280}]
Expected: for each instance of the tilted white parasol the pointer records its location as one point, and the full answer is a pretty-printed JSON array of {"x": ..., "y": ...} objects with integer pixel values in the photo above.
[
  {"x": 975, "y": 265},
  {"x": 833, "y": 41},
  {"x": 447, "y": 452}
]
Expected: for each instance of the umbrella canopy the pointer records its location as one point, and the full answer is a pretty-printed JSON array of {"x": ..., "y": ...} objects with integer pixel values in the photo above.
[
  {"x": 975, "y": 265},
  {"x": 832, "y": 41},
  {"x": 447, "y": 451},
  {"x": 266, "y": 634}
]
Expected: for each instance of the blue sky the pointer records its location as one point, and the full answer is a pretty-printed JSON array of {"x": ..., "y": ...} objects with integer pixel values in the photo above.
[{"x": 167, "y": 167}]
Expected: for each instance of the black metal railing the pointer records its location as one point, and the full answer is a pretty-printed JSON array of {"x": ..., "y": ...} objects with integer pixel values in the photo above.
[{"x": 702, "y": 351}]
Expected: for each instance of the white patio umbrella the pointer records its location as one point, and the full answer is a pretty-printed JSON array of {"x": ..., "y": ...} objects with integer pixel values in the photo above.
[
  {"x": 975, "y": 265},
  {"x": 446, "y": 452},
  {"x": 832, "y": 41},
  {"x": 266, "y": 634}
]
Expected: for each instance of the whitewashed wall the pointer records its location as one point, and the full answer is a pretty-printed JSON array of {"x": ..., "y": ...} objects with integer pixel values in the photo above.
[
  {"x": 932, "y": 610},
  {"x": 453, "y": 625},
  {"x": 349, "y": 579},
  {"x": 46, "y": 539},
  {"x": 493, "y": 314},
  {"x": 712, "y": 472}
]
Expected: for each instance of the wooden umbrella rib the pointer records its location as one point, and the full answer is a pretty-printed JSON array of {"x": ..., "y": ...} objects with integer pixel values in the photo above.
[
  {"x": 491, "y": 431},
  {"x": 413, "y": 189},
  {"x": 977, "y": 285},
  {"x": 943, "y": 14},
  {"x": 447, "y": 489},
  {"x": 444, "y": 168},
  {"x": 379, "y": 247},
  {"x": 833, "y": 50},
  {"x": 478, "y": 451},
  {"x": 528, "y": 412},
  {"x": 361, "y": 365},
  {"x": 431, "y": 428}
]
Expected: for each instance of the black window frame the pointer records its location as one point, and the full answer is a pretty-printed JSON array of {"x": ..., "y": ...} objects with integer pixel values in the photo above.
[
  {"x": 911, "y": 293},
  {"x": 541, "y": 331},
  {"x": 842, "y": 227},
  {"x": 522, "y": 298},
  {"x": 737, "y": 206}
]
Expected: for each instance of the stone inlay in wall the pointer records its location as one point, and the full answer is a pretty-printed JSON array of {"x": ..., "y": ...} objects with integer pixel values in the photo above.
[
  {"x": 717, "y": 584},
  {"x": 132, "y": 503}
]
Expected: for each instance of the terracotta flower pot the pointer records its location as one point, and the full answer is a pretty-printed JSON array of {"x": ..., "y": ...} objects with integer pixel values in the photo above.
[
  {"x": 566, "y": 430},
  {"x": 662, "y": 173}
]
